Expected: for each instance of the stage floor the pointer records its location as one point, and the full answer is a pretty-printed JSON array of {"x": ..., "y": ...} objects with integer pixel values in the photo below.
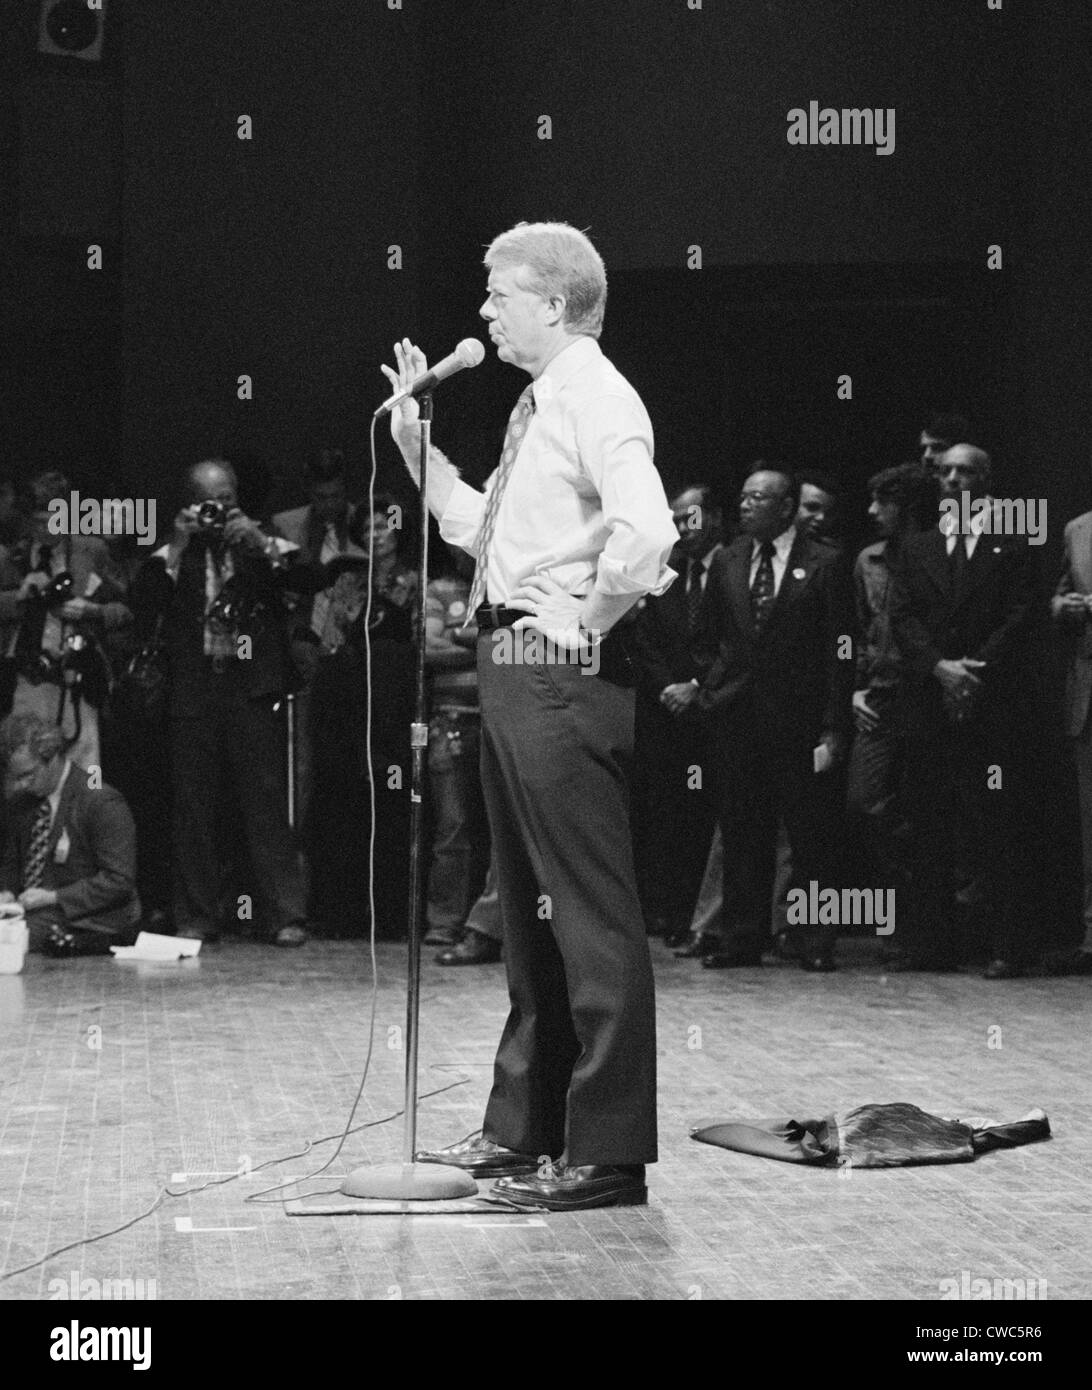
[{"x": 118, "y": 1079}]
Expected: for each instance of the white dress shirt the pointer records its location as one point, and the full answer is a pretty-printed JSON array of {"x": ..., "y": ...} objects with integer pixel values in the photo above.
[
  {"x": 782, "y": 545},
  {"x": 977, "y": 525},
  {"x": 584, "y": 502},
  {"x": 54, "y": 797}
]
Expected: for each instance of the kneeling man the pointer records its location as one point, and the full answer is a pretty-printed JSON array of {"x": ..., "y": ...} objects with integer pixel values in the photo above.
[{"x": 70, "y": 854}]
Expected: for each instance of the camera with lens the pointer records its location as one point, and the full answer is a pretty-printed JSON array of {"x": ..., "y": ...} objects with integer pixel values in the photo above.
[
  {"x": 212, "y": 518},
  {"x": 58, "y": 590}
]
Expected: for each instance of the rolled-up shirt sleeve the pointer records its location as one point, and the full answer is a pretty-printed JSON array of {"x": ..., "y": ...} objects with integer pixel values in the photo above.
[
  {"x": 614, "y": 436},
  {"x": 461, "y": 522}
]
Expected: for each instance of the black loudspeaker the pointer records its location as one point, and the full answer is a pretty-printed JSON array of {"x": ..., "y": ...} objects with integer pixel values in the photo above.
[{"x": 72, "y": 29}]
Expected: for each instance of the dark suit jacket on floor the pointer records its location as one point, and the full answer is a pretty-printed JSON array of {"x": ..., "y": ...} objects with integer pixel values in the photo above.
[{"x": 96, "y": 882}]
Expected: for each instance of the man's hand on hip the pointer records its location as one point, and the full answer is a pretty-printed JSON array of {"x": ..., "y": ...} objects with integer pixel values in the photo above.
[{"x": 552, "y": 611}]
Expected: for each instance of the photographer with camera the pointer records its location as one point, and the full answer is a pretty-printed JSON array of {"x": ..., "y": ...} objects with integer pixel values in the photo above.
[
  {"x": 216, "y": 586},
  {"x": 59, "y": 595}
]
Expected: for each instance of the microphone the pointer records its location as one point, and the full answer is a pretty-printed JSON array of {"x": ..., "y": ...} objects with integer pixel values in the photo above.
[{"x": 469, "y": 353}]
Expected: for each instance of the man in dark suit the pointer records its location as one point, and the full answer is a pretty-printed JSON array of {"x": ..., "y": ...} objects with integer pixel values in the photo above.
[
  {"x": 964, "y": 610},
  {"x": 215, "y": 585},
  {"x": 70, "y": 856},
  {"x": 780, "y": 694},
  {"x": 673, "y": 812}
]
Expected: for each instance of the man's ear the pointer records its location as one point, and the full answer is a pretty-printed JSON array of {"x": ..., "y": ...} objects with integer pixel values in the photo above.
[{"x": 555, "y": 309}]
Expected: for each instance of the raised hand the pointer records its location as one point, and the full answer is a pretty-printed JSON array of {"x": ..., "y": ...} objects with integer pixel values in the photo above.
[{"x": 410, "y": 363}]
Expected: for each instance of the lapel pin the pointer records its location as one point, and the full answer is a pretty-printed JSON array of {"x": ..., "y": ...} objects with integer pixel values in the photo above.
[{"x": 798, "y": 574}]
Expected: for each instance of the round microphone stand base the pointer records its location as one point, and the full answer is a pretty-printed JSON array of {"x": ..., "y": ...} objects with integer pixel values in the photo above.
[{"x": 409, "y": 1182}]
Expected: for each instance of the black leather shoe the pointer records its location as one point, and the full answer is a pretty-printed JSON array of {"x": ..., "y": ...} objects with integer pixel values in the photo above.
[
  {"x": 676, "y": 937},
  {"x": 818, "y": 964},
  {"x": 474, "y": 949},
  {"x": 1002, "y": 970},
  {"x": 562, "y": 1187},
  {"x": 696, "y": 946},
  {"x": 480, "y": 1157},
  {"x": 730, "y": 960}
]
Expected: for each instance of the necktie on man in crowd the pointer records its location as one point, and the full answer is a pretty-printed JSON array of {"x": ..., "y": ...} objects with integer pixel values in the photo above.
[
  {"x": 957, "y": 564},
  {"x": 38, "y": 852},
  {"x": 762, "y": 590},
  {"x": 513, "y": 438},
  {"x": 320, "y": 608},
  {"x": 693, "y": 595}
]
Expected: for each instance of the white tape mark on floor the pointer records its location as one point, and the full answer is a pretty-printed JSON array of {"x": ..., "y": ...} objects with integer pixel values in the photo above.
[{"x": 184, "y": 1226}]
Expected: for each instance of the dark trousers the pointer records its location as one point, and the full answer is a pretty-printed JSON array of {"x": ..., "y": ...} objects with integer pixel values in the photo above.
[
  {"x": 244, "y": 741},
  {"x": 575, "y": 1072},
  {"x": 460, "y": 834},
  {"x": 673, "y": 818},
  {"x": 959, "y": 823},
  {"x": 761, "y": 790},
  {"x": 1082, "y": 758},
  {"x": 872, "y": 792}
]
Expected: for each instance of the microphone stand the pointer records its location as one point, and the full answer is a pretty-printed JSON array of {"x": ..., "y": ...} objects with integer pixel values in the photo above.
[{"x": 411, "y": 1181}]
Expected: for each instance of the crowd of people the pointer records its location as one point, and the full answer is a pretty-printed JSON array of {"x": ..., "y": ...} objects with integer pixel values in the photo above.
[
  {"x": 188, "y": 746},
  {"x": 871, "y": 734}
]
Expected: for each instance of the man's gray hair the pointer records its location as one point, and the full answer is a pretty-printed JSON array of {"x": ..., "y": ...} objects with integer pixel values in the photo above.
[
  {"x": 44, "y": 739},
  {"x": 559, "y": 261}
]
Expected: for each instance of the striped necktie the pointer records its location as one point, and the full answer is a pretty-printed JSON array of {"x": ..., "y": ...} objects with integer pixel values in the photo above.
[
  {"x": 38, "y": 852},
  {"x": 513, "y": 438},
  {"x": 763, "y": 589}
]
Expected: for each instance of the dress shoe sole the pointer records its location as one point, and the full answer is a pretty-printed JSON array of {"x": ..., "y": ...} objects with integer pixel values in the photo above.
[
  {"x": 479, "y": 1171},
  {"x": 627, "y": 1197}
]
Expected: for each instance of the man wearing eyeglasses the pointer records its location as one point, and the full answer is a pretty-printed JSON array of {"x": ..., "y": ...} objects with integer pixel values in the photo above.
[{"x": 780, "y": 691}]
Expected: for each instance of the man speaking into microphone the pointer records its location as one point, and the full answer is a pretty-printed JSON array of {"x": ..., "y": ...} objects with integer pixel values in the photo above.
[{"x": 572, "y": 528}]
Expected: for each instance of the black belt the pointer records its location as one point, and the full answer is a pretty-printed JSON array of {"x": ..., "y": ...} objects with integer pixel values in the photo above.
[
  {"x": 493, "y": 615},
  {"x": 615, "y": 664}
]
